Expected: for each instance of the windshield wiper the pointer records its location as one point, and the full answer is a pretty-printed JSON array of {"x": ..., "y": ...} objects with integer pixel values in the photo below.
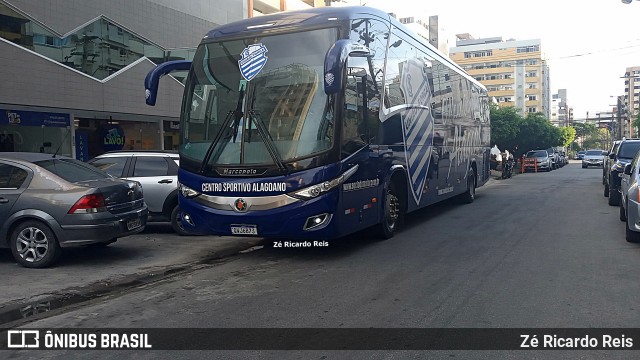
[
  {"x": 264, "y": 133},
  {"x": 266, "y": 137},
  {"x": 226, "y": 130}
]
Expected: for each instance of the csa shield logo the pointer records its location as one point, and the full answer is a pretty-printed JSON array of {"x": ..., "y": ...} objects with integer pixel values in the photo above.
[{"x": 253, "y": 60}]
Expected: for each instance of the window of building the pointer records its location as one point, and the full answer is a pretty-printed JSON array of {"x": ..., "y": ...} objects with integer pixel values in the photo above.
[
  {"x": 525, "y": 49},
  {"x": 533, "y": 86},
  {"x": 474, "y": 54},
  {"x": 532, "y": 97},
  {"x": 532, "y": 109},
  {"x": 532, "y": 74}
]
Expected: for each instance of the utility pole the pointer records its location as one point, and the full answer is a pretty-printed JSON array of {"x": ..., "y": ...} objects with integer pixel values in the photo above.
[{"x": 619, "y": 111}]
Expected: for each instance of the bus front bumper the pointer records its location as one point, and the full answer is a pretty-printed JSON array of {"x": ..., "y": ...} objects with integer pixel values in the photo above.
[{"x": 310, "y": 219}]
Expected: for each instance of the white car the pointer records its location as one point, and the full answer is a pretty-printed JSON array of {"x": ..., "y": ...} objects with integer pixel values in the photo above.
[
  {"x": 593, "y": 158},
  {"x": 157, "y": 171}
]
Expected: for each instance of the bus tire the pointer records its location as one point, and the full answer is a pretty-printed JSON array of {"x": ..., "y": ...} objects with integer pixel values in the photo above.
[
  {"x": 470, "y": 195},
  {"x": 392, "y": 211}
]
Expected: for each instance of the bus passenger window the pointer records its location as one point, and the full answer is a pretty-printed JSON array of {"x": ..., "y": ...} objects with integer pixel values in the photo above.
[{"x": 353, "y": 126}]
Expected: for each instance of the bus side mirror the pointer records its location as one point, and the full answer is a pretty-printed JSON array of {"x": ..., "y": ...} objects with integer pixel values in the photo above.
[
  {"x": 627, "y": 169},
  {"x": 152, "y": 80},
  {"x": 336, "y": 60},
  {"x": 612, "y": 156}
]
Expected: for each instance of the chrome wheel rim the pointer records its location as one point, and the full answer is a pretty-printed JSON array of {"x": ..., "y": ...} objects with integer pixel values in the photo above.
[
  {"x": 391, "y": 210},
  {"x": 32, "y": 244}
]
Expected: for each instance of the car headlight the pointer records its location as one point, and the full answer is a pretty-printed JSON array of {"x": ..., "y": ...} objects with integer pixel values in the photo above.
[
  {"x": 187, "y": 191},
  {"x": 319, "y": 189},
  {"x": 618, "y": 167}
]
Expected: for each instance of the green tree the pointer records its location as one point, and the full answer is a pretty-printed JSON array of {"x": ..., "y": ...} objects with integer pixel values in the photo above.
[
  {"x": 505, "y": 126},
  {"x": 636, "y": 125},
  {"x": 536, "y": 132},
  {"x": 567, "y": 135},
  {"x": 585, "y": 129}
]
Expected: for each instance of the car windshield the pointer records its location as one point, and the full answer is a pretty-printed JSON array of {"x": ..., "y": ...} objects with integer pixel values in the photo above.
[
  {"x": 595, "y": 153},
  {"x": 539, "y": 153},
  {"x": 72, "y": 170},
  {"x": 628, "y": 149}
]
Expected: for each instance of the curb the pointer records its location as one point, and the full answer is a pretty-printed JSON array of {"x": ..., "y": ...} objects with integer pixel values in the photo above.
[{"x": 17, "y": 312}]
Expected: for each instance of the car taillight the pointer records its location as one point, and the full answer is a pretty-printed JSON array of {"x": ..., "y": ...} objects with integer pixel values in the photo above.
[{"x": 89, "y": 204}]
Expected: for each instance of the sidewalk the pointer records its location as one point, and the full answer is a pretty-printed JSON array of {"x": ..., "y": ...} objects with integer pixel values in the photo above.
[{"x": 91, "y": 271}]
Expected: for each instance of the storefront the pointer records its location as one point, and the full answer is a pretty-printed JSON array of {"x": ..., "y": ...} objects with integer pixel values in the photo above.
[
  {"x": 33, "y": 131},
  {"x": 101, "y": 136},
  {"x": 171, "y": 135}
]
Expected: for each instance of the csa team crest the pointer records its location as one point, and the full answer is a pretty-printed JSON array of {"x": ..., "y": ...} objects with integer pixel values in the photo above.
[{"x": 253, "y": 60}]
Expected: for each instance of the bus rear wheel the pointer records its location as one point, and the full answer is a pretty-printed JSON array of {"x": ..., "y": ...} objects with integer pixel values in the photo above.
[
  {"x": 470, "y": 195},
  {"x": 392, "y": 212}
]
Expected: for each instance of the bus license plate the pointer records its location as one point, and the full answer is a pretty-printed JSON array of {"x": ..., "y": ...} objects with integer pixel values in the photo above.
[
  {"x": 244, "y": 230},
  {"x": 133, "y": 224}
]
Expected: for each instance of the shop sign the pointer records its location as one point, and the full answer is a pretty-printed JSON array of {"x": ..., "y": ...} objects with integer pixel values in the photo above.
[
  {"x": 171, "y": 126},
  {"x": 112, "y": 138},
  {"x": 33, "y": 118},
  {"x": 82, "y": 145}
]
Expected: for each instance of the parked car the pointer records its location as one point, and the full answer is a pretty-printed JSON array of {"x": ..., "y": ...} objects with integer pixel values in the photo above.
[
  {"x": 52, "y": 202},
  {"x": 607, "y": 161},
  {"x": 593, "y": 158},
  {"x": 580, "y": 155},
  {"x": 629, "y": 201},
  {"x": 564, "y": 160},
  {"x": 543, "y": 160},
  {"x": 626, "y": 151},
  {"x": 555, "y": 158},
  {"x": 157, "y": 171}
]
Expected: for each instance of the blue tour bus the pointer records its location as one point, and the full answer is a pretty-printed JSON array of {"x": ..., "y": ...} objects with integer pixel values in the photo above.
[{"x": 319, "y": 123}]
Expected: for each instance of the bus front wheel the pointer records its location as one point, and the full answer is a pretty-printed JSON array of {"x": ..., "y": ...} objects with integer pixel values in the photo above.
[{"x": 392, "y": 211}]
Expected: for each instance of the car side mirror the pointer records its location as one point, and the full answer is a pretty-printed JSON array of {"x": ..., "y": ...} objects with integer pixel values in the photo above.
[
  {"x": 627, "y": 169},
  {"x": 612, "y": 156}
]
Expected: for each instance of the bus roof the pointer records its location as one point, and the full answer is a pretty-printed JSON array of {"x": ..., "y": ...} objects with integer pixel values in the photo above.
[
  {"x": 312, "y": 17},
  {"x": 315, "y": 18}
]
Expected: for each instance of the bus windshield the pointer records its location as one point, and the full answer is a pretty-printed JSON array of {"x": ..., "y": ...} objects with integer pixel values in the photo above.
[{"x": 281, "y": 114}]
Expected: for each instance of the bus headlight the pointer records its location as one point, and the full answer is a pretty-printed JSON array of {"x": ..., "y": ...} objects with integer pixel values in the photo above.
[
  {"x": 187, "y": 191},
  {"x": 319, "y": 189}
]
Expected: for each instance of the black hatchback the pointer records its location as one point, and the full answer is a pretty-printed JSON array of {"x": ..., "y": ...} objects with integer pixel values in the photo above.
[
  {"x": 623, "y": 155},
  {"x": 48, "y": 203}
]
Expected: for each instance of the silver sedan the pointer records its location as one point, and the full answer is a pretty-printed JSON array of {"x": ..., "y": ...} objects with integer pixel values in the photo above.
[
  {"x": 630, "y": 199},
  {"x": 48, "y": 203}
]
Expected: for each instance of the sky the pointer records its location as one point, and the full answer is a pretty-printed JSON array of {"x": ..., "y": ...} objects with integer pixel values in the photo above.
[{"x": 588, "y": 43}]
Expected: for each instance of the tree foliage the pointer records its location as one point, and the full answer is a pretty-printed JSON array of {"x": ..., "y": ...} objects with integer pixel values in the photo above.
[
  {"x": 589, "y": 136},
  {"x": 585, "y": 129},
  {"x": 567, "y": 135},
  {"x": 518, "y": 134},
  {"x": 636, "y": 125}
]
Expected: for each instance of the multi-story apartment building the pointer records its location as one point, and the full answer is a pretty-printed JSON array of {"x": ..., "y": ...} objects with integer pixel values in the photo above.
[
  {"x": 429, "y": 30},
  {"x": 630, "y": 102},
  {"x": 560, "y": 112},
  {"x": 514, "y": 72}
]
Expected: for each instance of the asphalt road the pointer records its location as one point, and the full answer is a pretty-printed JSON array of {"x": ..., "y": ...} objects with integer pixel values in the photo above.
[{"x": 539, "y": 250}]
